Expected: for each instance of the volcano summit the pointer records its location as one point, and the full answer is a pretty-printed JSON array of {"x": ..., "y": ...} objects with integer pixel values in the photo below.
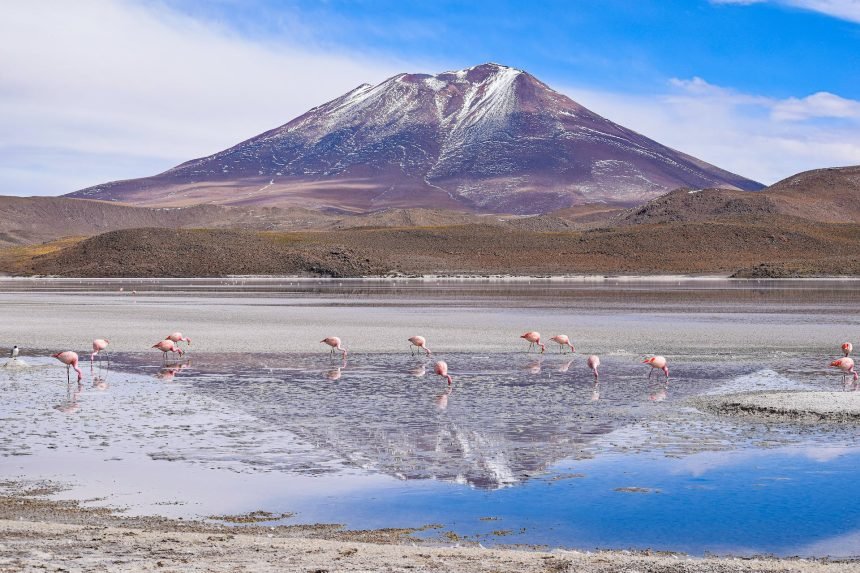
[{"x": 487, "y": 139}]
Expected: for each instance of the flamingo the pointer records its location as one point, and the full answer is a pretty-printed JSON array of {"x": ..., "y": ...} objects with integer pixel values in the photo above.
[
  {"x": 441, "y": 369},
  {"x": 99, "y": 344},
  {"x": 420, "y": 342},
  {"x": 70, "y": 359},
  {"x": 533, "y": 338},
  {"x": 847, "y": 366},
  {"x": 594, "y": 363},
  {"x": 657, "y": 363},
  {"x": 334, "y": 342},
  {"x": 562, "y": 340},
  {"x": 847, "y": 347},
  {"x": 177, "y": 338},
  {"x": 167, "y": 346}
]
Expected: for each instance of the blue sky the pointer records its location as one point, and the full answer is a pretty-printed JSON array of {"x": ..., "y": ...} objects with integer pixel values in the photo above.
[
  {"x": 771, "y": 48},
  {"x": 96, "y": 90}
]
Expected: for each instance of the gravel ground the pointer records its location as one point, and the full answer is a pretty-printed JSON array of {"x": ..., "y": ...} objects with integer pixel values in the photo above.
[{"x": 59, "y": 536}]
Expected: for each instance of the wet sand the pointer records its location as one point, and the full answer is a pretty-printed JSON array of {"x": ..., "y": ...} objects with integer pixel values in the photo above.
[
  {"x": 37, "y": 535},
  {"x": 628, "y": 318}
]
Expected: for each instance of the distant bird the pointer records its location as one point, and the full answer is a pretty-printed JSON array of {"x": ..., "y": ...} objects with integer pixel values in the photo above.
[
  {"x": 15, "y": 351},
  {"x": 562, "y": 340},
  {"x": 70, "y": 359},
  {"x": 594, "y": 363},
  {"x": 441, "y": 369},
  {"x": 420, "y": 342},
  {"x": 177, "y": 338},
  {"x": 847, "y": 347},
  {"x": 99, "y": 344},
  {"x": 657, "y": 363},
  {"x": 334, "y": 342},
  {"x": 847, "y": 366},
  {"x": 167, "y": 346},
  {"x": 533, "y": 338}
]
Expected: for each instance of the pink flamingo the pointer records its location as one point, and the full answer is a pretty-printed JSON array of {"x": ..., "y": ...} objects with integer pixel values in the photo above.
[
  {"x": 562, "y": 340},
  {"x": 847, "y": 347},
  {"x": 533, "y": 338},
  {"x": 594, "y": 364},
  {"x": 847, "y": 366},
  {"x": 334, "y": 342},
  {"x": 167, "y": 346},
  {"x": 441, "y": 369},
  {"x": 99, "y": 344},
  {"x": 70, "y": 359},
  {"x": 420, "y": 342},
  {"x": 177, "y": 337},
  {"x": 657, "y": 363}
]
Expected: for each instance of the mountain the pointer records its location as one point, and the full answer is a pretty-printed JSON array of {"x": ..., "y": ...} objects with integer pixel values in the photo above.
[{"x": 488, "y": 139}]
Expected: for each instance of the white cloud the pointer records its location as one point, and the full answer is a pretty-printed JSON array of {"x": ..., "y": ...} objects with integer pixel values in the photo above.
[
  {"x": 821, "y": 104},
  {"x": 90, "y": 85},
  {"x": 762, "y": 138}
]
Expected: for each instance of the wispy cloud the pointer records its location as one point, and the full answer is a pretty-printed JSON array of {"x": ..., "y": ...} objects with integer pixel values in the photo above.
[
  {"x": 842, "y": 9},
  {"x": 766, "y": 139}
]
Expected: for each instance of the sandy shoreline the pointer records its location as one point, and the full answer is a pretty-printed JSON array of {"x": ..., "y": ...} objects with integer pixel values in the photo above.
[{"x": 38, "y": 535}]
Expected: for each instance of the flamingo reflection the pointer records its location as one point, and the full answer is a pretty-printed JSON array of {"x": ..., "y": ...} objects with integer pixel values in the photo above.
[
  {"x": 442, "y": 399},
  {"x": 534, "y": 366},
  {"x": 169, "y": 372},
  {"x": 419, "y": 371},
  {"x": 70, "y": 405},
  {"x": 565, "y": 366},
  {"x": 335, "y": 373}
]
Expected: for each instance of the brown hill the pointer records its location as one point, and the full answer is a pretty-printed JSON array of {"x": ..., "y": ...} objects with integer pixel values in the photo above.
[
  {"x": 27, "y": 220},
  {"x": 196, "y": 253},
  {"x": 744, "y": 248},
  {"x": 821, "y": 195}
]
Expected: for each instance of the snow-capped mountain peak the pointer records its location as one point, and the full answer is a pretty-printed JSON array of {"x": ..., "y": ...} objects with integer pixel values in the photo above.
[{"x": 485, "y": 138}]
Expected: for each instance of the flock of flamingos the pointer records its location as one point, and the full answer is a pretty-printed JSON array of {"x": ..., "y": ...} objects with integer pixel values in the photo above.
[{"x": 170, "y": 344}]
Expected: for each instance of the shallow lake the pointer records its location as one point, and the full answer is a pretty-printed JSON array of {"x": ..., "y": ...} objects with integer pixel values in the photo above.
[{"x": 522, "y": 448}]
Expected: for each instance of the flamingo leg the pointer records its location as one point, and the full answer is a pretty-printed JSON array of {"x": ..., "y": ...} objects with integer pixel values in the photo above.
[{"x": 650, "y": 373}]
